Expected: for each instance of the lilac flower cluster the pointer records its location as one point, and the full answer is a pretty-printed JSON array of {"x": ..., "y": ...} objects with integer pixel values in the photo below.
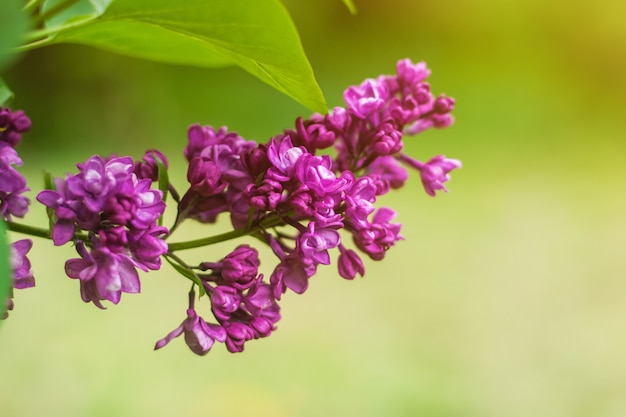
[
  {"x": 114, "y": 204},
  {"x": 288, "y": 193},
  {"x": 299, "y": 201},
  {"x": 12, "y": 183},
  {"x": 243, "y": 305},
  {"x": 318, "y": 195},
  {"x": 12, "y": 201}
]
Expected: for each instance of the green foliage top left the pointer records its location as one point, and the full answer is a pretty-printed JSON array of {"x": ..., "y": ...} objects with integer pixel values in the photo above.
[{"x": 257, "y": 35}]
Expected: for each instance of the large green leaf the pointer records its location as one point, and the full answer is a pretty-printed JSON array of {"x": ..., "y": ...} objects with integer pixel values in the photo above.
[
  {"x": 5, "y": 270},
  {"x": 13, "y": 27},
  {"x": 257, "y": 35}
]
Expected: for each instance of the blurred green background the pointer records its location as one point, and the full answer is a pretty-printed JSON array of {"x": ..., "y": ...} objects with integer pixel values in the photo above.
[{"x": 507, "y": 297}]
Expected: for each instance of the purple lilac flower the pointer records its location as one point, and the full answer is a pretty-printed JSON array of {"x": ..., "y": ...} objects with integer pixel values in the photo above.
[
  {"x": 218, "y": 174},
  {"x": 202, "y": 137},
  {"x": 147, "y": 245},
  {"x": 436, "y": 171},
  {"x": 99, "y": 179},
  {"x": 293, "y": 271},
  {"x": 22, "y": 275},
  {"x": 238, "y": 333},
  {"x": 315, "y": 243},
  {"x": 11, "y": 181},
  {"x": 349, "y": 263},
  {"x": 265, "y": 196},
  {"x": 365, "y": 99},
  {"x": 205, "y": 176},
  {"x": 148, "y": 167},
  {"x": 240, "y": 267},
  {"x": 255, "y": 318},
  {"x": 378, "y": 236},
  {"x": 120, "y": 212},
  {"x": 12, "y": 125},
  {"x": 411, "y": 75},
  {"x": 315, "y": 173},
  {"x": 312, "y": 133},
  {"x": 389, "y": 172},
  {"x": 359, "y": 201},
  {"x": 21, "y": 267},
  {"x": 225, "y": 300},
  {"x": 283, "y": 156},
  {"x": 103, "y": 274},
  {"x": 199, "y": 335}
]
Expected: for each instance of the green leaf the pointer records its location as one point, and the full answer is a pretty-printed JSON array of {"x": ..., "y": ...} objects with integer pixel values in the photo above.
[
  {"x": 48, "y": 181},
  {"x": 257, "y": 35},
  {"x": 13, "y": 28},
  {"x": 5, "y": 93},
  {"x": 350, "y": 5},
  {"x": 164, "y": 182},
  {"x": 5, "y": 269},
  {"x": 187, "y": 274}
]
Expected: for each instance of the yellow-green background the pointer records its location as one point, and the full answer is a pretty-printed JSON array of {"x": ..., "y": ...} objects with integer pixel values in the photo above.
[{"x": 507, "y": 297}]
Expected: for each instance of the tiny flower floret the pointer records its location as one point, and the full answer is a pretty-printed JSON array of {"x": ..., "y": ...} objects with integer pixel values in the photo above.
[
  {"x": 199, "y": 335},
  {"x": 366, "y": 99},
  {"x": 283, "y": 155},
  {"x": 436, "y": 172}
]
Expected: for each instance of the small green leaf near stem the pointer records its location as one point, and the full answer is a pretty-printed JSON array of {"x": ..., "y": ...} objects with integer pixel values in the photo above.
[
  {"x": 41, "y": 37},
  {"x": 53, "y": 11},
  {"x": 32, "y": 5},
  {"x": 5, "y": 92},
  {"x": 185, "y": 270}
]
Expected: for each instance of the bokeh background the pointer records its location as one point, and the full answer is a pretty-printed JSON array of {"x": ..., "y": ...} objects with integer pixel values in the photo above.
[{"x": 507, "y": 297}]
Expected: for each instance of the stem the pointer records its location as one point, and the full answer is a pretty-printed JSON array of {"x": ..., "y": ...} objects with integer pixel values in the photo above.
[
  {"x": 233, "y": 234},
  {"x": 192, "y": 297},
  {"x": 413, "y": 163},
  {"x": 41, "y": 232},
  {"x": 182, "y": 215},
  {"x": 173, "y": 192},
  {"x": 208, "y": 240},
  {"x": 29, "y": 230}
]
